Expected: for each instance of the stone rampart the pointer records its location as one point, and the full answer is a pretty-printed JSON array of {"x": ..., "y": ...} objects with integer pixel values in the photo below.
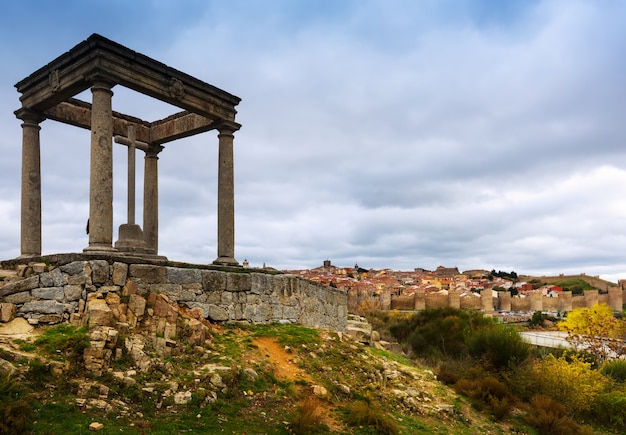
[
  {"x": 488, "y": 301},
  {"x": 56, "y": 293}
]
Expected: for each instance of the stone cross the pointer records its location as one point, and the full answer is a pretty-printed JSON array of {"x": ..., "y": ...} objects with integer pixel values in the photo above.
[
  {"x": 130, "y": 234},
  {"x": 131, "y": 142}
]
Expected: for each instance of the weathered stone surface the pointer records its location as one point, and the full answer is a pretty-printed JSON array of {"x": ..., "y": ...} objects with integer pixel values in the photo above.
[
  {"x": 164, "y": 308},
  {"x": 129, "y": 289},
  {"x": 147, "y": 273},
  {"x": 56, "y": 293},
  {"x": 213, "y": 281},
  {"x": 96, "y": 426},
  {"x": 72, "y": 292},
  {"x": 19, "y": 298},
  {"x": 20, "y": 286},
  {"x": 238, "y": 282},
  {"x": 137, "y": 304},
  {"x": 176, "y": 275},
  {"x": 182, "y": 397},
  {"x": 50, "y": 319},
  {"x": 98, "y": 313},
  {"x": 99, "y": 271},
  {"x": 217, "y": 313},
  {"x": 54, "y": 278},
  {"x": 120, "y": 272},
  {"x": 7, "y": 312},
  {"x": 73, "y": 268},
  {"x": 44, "y": 307}
]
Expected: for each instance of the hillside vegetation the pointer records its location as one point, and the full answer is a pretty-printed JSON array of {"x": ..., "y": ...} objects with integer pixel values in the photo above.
[{"x": 265, "y": 379}]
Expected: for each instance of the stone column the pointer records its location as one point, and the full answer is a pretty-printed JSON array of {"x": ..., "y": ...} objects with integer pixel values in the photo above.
[
  {"x": 151, "y": 199},
  {"x": 226, "y": 199},
  {"x": 101, "y": 169},
  {"x": 31, "y": 184}
]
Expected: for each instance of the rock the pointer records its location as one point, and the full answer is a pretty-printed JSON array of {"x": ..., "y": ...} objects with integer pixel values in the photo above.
[
  {"x": 320, "y": 391},
  {"x": 251, "y": 373},
  {"x": 216, "y": 380},
  {"x": 98, "y": 313},
  {"x": 6, "y": 367},
  {"x": 96, "y": 426},
  {"x": 182, "y": 397},
  {"x": 344, "y": 389},
  {"x": 7, "y": 312}
]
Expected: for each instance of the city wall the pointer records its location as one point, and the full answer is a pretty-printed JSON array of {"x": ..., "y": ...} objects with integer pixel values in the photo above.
[
  {"x": 52, "y": 294},
  {"x": 489, "y": 301}
]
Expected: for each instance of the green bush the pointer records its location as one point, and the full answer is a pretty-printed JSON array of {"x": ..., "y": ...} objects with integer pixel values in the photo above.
[
  {"x": 15, "y": 411},
  {"x": 439, "y": 333},
  {"x": 363, "y": 414},
  {"x": 610, "y": 409},
  {"x": 487, "y": 392},
  {"x": 616, "y": 369},
  {"x": 501, "y": 346}
]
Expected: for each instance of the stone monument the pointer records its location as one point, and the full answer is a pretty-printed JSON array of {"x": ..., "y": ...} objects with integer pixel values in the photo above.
[{"x": 99, "y": 64}]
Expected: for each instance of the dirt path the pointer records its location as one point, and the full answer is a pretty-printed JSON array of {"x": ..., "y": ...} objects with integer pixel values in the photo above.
[{"x": 283, "y": 361}]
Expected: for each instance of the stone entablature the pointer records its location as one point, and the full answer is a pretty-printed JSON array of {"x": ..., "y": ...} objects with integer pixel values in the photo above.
[{"x": 69, "y": 292}]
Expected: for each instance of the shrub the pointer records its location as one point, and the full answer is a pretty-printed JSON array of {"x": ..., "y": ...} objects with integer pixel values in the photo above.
[
  {"x": 363, "y": 414},
  {"x": 550, "y": 418},
  {"x": 439, "y": 333},
  {"x": 308, "y": 418},
  {"x": 571, "y": 381},
  {"x": 501, "y": 346},
  {"x": 616, "y": 369},
  {"x": 610, "y": 409},
  {"x": 15, "y": 411},
  {"x": 487, "y": 392}
]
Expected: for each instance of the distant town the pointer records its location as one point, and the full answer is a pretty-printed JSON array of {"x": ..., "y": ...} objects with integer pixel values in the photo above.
[{"x": 386, "y": 288}]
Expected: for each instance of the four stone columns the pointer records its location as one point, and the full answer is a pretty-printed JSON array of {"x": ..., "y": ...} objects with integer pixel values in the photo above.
[
  {"x": 31, "y": 184},
  {"x": 226, "y": 199},
  {"x": 100, "y": 224},
  {"x": 101, "y": 169}
]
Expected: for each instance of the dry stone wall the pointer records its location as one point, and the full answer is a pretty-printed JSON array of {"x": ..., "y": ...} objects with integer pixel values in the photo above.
[{"x": 56, "y": 294}]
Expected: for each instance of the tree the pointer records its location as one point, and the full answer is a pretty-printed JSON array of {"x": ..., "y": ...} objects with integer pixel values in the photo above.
[{"x": 596, "y": 330}]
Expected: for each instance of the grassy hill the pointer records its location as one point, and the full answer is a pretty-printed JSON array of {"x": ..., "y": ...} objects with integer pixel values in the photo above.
[
  {"x": 265, "y": 379},
  {"x": 593, "y": 281}
]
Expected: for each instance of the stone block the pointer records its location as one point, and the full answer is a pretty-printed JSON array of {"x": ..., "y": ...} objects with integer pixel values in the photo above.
[
  {"x": 120, "y": 272},
  {"x": 19, "y": 298},
  {"x": 130, "y": 288},
  {"x": 38, "y": 267},
  {"x": 19, "y": 286},
  {"x": 53, "y": 278},
  {"x": 147, "y": 273},
  {"x": 173, "y": 291},
  {"x": 177, "y": 275},
  {"x": 73, "y": 268},
  {"x": 163, "y": 308},
  {"x": 99, "y": 271},
  {"x": 217, "y": 313},
  {"x": 137, "y": 304},
  {"x": 50, "y": 319},
  {"x": 258, "y": 283},
  {"x": 203, "y": 308},
  {"x": 77, "y": 280},
  {"x": 43, "y": 307},
  {"x": 238, "y": 282},
  {"x": 72, "y": 292},
  {"x": 55, "y": 293},
  {"x": 99, "y": 313},
  {"x": 7, "y": 312},
  {"x": 213, "y": 280}
]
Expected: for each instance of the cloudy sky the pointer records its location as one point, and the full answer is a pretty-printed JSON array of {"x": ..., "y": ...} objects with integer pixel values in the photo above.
[{"x": 392, "y": 133}]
